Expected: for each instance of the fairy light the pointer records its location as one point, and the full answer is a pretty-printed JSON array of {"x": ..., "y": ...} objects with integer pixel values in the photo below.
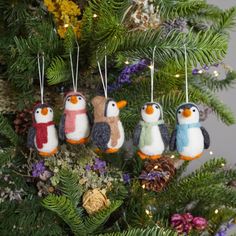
[
  {"x": 143, "y": 186},
  {"x": 95, "y": 15},
  {"x": 66, "y": 25},
  {"x": 222, "y": 164},
  {"x": 177, "y": 75},
  {"x": 127, "y": 62},
  {"x": 172, "y": 156},
  {"x": 156, "y": 167},
  {"x": 216, "y": 211},
  {"x": 216, "y": 73},
  {"x": 211, "y": 153},
  {"x": 151, "y": 66},
  {"x": 200, "y": 71}
]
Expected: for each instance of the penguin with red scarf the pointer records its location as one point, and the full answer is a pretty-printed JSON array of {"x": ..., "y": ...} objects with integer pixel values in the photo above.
[
  {"x": 43, "y": 134},
  {"x": 75, "y": 123}
]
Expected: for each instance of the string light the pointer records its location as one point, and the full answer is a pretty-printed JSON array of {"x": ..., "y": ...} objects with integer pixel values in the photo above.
[
  {"x": 200, "y": 71},
  {"x": 222, "y": 164},
  {"x": 172, "y": 156},
  {"x": 216, "y": 211},
  {"x": 95, "y": 15},
  {"x": 127, "y": 62},
  {"x": 211, "y": 153},
  {"x": 151, "y": 66},
  {"x": 177, "y": 76},
  {"x": 156, "y": 167},
  {"x": 66, "y": 25},
  {"x": 143, "y": 186},
  {"x": 216, "y": 73}
]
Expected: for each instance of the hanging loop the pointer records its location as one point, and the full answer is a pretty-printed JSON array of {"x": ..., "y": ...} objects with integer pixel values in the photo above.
[
  {"x": 76, "y": 74},
  {"x": 103, "y": 78},
  {"x": 186, "y": 73},
  {"x": 152, "y": 67},
  {"x": 41, "y": 74}
]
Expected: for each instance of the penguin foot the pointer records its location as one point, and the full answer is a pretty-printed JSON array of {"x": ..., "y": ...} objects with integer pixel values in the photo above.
[
  {"x": 48, "y": 154},
  {"x": 155, "y": 157},
  {"x": 111, "y": 150},
  {"x": 81, "y": 141},
  {"x": 142, "y": 155},
  {"x": 186, "y": 158}
]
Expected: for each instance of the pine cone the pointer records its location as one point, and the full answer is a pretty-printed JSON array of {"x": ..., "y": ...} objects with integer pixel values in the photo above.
[
  {"x": 157, "y": 174},
  {"x": 23, "y": 121}
]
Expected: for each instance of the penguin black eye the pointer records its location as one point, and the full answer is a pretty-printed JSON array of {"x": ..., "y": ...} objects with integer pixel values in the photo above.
[
  {"x": 50, "y": 110},
  {"x": 68, "y": 99},
  {"x": 143, "y": 108},
  {"x": 80, "y": 98},
  {"x": 113, "y": 104},
  {"x": 156, "y": 107},
  {"x": 179, "y": 112},
  {"x": 194, "y": 110},
  {"x": 37, "y": 111}
]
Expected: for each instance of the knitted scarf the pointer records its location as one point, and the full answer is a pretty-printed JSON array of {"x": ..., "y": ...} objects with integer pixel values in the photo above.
[
  {"x": 146, "y": 133},
  {"x": 182, "y": 135},
  {"x": 70, "y": 119},
  {"x": 41, "y": 133}
]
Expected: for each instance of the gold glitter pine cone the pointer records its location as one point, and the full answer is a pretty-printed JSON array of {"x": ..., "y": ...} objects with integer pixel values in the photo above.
[
  {"x": 157, "y": 174},
  {"x": 95, "y": 200}
]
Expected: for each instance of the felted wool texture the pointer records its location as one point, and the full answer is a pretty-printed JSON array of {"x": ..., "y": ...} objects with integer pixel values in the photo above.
[
  {"x": 72, "y": 93},
  {"x": 99, "y": 104},
  {"x": 41, "y": 133},
  {"x": 146, "y": 133},
  {"x": 182, "y": 139},
  {"x": 70, "y": 119}
]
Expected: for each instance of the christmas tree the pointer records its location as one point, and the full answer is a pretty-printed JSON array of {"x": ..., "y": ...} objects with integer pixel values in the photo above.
[{"x": 82, "y": 191}]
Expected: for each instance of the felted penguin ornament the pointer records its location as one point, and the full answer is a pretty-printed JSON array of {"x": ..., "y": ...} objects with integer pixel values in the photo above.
[
  {"x": 189, "y": 138},
  {"x": 107, "y": 133},
  {"x": 151, "y": 134},
  {"x": 43, "y": 135},
  {"x": 74, "y": 125}
]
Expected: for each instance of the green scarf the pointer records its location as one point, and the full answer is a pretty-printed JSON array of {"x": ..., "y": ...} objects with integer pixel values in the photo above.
[{"x": 146, "y": 133}]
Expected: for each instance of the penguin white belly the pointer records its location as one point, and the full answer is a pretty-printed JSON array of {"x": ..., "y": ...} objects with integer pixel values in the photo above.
[
  {"x": 157, "y": 146},
  {"x": 196, "y": 143},
  {"x": 121, "y": 139},
  {"x": 82, "y": 128},
  {"x": 52, "y": 143}
]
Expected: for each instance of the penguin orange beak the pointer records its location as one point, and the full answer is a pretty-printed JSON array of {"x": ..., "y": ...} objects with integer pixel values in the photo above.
[
  {"x": 121, "y": 104},
  {"x": 73, "y": 99},
  {"x": 149, "y": 110},
  {"x": 44, "y": 111},
  {"x": 187, "y": 113}
]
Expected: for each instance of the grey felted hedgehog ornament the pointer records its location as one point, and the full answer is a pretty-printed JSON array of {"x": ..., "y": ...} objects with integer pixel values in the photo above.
[{"x": 107, "y": 133}]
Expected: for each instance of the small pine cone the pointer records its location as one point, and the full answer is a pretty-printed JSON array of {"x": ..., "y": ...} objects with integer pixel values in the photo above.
[
  {"x": 157, "y": 174},
  {"x": 23, "y": 121}
]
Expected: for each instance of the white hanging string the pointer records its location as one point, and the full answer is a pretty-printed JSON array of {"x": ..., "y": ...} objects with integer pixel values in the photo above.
[
  {"x": 186, "y": 73},
  {"x": 152, "y": 67},
  {"x": 41, "y": 76},
  {"x": 104, "y": 81},
  {"x": 76, "y": 74}
]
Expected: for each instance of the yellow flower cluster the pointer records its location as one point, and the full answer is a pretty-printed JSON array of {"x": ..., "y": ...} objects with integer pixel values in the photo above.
[{"x": 65, "y": 14}]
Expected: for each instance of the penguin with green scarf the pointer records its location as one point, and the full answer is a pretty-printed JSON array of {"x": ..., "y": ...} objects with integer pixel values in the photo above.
[
  {"x": 151, "y": 134},
  {"x": 189, "y": 138}
]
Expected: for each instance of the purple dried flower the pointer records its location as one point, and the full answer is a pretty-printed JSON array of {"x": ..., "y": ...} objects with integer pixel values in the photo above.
[
  {"x": 126, "y": 178},
  {"x": 195, "y": 71},
  {"x": 224, "y": 228},
  {"x": 99, "y": 165},
  {"x": 87, "y": 167},
  {"x": 38, "y": 169},
  {"x": 152, "y": 175},
  {"x": 206, "y": 67}
]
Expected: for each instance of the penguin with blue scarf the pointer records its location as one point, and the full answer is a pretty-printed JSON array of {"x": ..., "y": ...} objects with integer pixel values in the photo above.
[{"x": 189, "y": 138}]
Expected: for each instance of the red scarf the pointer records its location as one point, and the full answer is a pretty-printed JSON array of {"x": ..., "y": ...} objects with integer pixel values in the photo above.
[
  {"x": 70, "y": 119},
  {"x": 41, "y": 133}
]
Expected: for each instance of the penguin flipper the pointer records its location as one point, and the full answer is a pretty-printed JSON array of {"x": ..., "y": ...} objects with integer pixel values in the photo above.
[
  {"x": 172, "y": 144},
  {"x": 137, "y": 133},
  {"x": 62, "y": 135},
  {"x": 100, "y": 136},
  {"x": 206, "y": 138},
  {"x": 164, "y": 134},
  {"x": 30, "y": 137},
  {"x": 90, "y": 118}
]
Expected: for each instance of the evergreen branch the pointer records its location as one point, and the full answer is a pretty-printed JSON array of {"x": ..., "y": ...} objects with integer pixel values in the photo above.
[
  {"x": 144, "y": 232},
  {"x": 7, "y": 131},
  {"x": 203, "y": 47},
  {"x": 69, "y": 185},
  {"x": 67, "y": 211},
  {"x": 57, "y": 72},
  {"x": 226, "y": 20},
  {"x": 91, "y": 223},
  {"x": 6, "y": 155}
]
